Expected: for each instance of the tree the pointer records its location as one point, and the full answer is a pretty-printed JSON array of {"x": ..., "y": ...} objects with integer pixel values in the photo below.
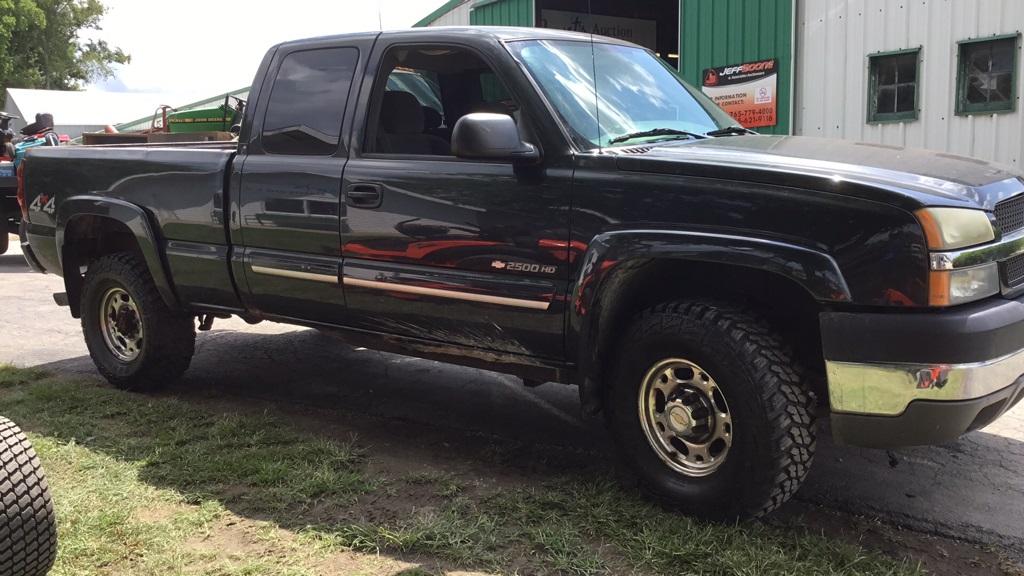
[
  {"x": 40, "y": 44},
  {"x": 17, "y": 19}
]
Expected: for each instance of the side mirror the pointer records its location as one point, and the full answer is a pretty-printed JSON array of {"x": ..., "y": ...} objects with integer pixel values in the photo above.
[
  {"x": 236, "y": 129},
  {"x": 486, "y": 136}
]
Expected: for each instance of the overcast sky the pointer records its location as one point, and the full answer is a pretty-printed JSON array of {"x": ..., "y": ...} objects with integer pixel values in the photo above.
[{"x": 211, "y": 46}]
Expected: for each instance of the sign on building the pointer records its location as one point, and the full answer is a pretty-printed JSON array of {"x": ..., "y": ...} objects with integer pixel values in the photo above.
[
  {"x": 635, "y": 30},
  {"x": 748, "y": 92}
]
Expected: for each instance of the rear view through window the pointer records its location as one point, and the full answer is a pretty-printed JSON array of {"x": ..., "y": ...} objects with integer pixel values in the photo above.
[{"x": 308, "y": 101}]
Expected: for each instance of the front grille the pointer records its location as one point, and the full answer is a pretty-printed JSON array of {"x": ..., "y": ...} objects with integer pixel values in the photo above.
[
  {"x": 1010, "y": 214},
  {"x": 1013, "y": 271}
]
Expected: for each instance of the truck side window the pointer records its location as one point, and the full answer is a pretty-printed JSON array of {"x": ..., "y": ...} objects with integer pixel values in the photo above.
[
  {"x": 422, "y": 91},
  {"x": 307, "y": 102}
]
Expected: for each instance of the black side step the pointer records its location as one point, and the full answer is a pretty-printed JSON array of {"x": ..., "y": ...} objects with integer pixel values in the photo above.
[{"x": 61, "y": 298}]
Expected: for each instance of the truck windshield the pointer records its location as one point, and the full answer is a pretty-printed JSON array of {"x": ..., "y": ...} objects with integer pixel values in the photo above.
[{"x": 635, "y": 92}]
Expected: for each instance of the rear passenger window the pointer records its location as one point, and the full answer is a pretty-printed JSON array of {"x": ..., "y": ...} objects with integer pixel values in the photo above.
[{"x": 307, "y": 102}]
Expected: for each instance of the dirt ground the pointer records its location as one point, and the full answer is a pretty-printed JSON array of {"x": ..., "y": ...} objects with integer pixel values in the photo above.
[{"x": 958, "y": 508}]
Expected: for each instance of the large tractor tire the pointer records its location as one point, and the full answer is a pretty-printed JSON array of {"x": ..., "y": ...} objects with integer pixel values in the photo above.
[{"x": 28, "y": 525}]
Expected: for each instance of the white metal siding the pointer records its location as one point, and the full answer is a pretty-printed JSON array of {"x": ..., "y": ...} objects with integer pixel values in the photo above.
[
  {"x": 834, "y": 39},
  {"x": 458, "y": 16}
]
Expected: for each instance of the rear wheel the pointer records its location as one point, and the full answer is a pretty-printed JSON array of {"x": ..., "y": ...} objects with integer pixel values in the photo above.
[
  {"x": 135, "y": 340},
  {"x": 708, "y": 411},
  {"x": 28, "y": 525}
]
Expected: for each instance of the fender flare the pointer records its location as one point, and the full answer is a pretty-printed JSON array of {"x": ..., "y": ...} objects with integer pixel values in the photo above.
[
  {"x": 131, "y": 216},
  {"x": 612, "y": 257}
]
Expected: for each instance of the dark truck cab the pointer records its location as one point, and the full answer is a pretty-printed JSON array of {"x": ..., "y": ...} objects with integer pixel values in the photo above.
[{"x": 565, "y": 209}]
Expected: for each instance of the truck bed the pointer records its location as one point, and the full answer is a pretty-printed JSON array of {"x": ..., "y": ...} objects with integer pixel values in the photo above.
[
  {"x": 205, "y": 145},
  {"x": 181, "y": 187}
]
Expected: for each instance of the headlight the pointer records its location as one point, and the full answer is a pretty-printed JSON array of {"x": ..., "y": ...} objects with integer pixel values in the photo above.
[
  {"x": 953, "y": 228},
  {"x": 951, "y": 287}
]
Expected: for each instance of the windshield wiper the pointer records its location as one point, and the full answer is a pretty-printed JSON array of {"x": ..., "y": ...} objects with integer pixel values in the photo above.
[
  {"x": 656, "y": 132},
  {"x": 730, "y": 131}
]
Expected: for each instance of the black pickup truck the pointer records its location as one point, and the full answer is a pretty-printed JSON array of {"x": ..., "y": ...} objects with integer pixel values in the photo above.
[{"x": 563, "y": 208}]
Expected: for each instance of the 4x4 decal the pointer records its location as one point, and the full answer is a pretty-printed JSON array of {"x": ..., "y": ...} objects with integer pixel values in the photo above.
[{"x": 43, "y": 203}]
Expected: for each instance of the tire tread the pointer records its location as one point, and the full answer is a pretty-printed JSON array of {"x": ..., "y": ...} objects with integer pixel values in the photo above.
[
  {"x": 170, "y": 335},
  {"x": 28, "y": 525},
  {"x": 788, "y": 403}
]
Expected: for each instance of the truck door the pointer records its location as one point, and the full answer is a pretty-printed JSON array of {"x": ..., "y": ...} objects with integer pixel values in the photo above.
[
  {"x": 438, "y": 248},
  {"x": 289, "y": 197}
]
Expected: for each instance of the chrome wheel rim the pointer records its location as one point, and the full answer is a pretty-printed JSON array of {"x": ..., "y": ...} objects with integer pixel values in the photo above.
[
  {"x": 121, "y": 324},
  {"x": 685, "y": 417}
]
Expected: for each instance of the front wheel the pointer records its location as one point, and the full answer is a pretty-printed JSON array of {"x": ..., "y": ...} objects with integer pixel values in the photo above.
[
  {"x": 135, "y": 340},
  {"x": 708, "y": 411}
]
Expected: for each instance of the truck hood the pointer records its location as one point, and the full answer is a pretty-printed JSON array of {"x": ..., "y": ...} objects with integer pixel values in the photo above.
[{"x": 922, "y": 176}]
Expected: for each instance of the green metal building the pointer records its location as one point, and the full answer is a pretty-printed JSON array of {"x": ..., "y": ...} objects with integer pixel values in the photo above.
[
  {"x": 693, "y": 36},
  {"x": 939, "y": 74}
]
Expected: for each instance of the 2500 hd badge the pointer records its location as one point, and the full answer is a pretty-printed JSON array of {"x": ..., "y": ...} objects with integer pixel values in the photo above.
[{"x": 524, "y": 267}]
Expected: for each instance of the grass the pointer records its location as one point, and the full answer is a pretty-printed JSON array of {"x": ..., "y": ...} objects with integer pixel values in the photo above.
[{"x": 149, "y": 485}]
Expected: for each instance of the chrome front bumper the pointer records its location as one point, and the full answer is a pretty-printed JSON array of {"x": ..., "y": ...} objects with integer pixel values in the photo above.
[
  {"x": 922, "y": 377},
  {"x": 883, "y": 389}
]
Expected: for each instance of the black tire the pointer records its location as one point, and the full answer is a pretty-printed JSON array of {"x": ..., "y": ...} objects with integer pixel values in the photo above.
[
  {"x": 5, "y": 239},
  {"x": 169, "y": 336},
  {"x": 28, "y": 525},
  {"x": 772, "y": 419}
]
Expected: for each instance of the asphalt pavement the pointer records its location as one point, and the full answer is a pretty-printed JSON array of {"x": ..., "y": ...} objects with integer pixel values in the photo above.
[{"x": 971, "y": 489}]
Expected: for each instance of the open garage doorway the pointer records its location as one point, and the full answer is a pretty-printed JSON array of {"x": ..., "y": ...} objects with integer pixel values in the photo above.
[{"x": 653, "y": 24}]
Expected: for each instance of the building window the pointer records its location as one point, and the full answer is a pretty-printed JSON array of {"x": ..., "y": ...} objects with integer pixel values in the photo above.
[
  {"x": 987, "y": 77},
  {"x": 893, "y": 77}
]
